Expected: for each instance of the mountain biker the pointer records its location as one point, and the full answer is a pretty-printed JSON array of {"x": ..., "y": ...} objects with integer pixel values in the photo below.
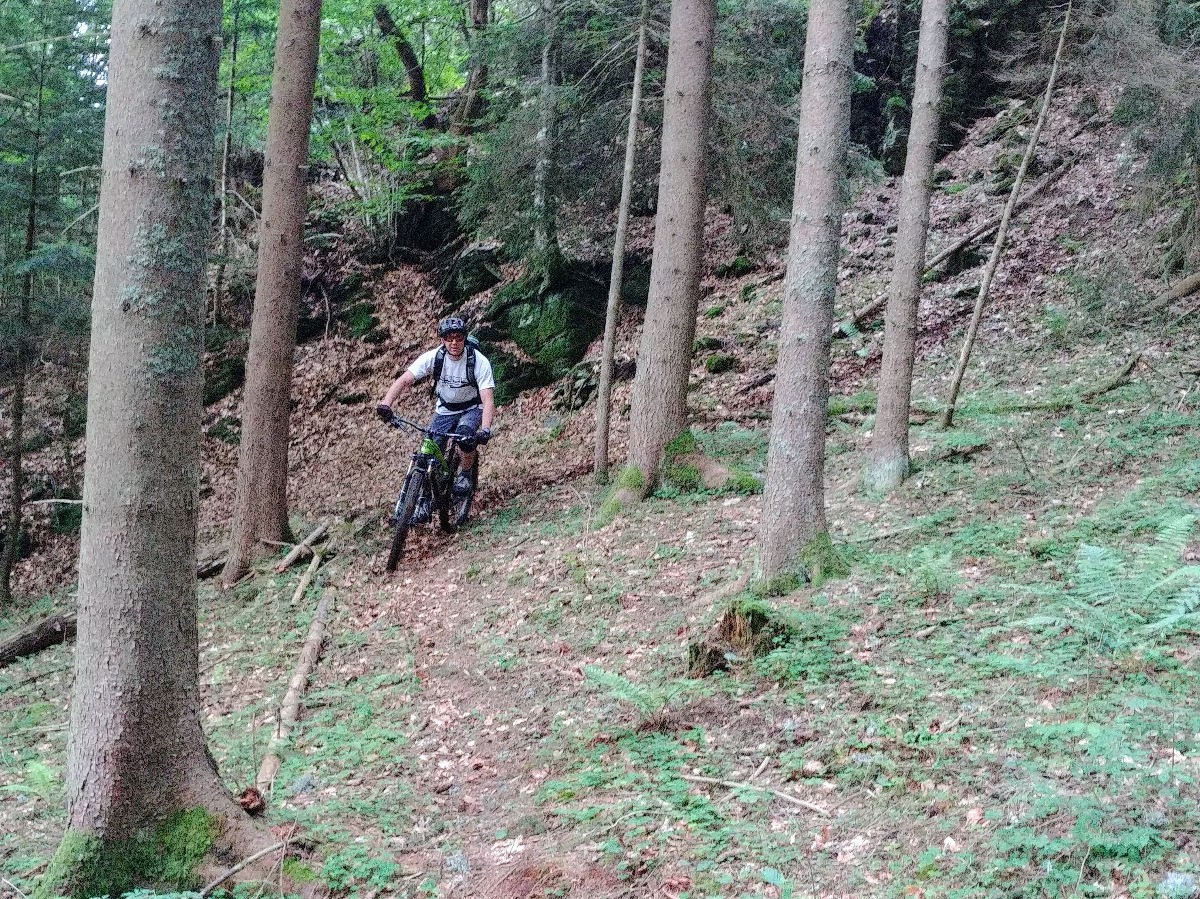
[{"x": 464, "y": 389}]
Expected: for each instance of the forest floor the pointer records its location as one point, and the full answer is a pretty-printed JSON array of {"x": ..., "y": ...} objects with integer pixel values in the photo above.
[{"x": 997, "y": 701}]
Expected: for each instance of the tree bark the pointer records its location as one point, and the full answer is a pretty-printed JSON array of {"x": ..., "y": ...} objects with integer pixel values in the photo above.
[
  {"x": 545, "y": 238},
  {"x": 659, "y": 401},
  {"x": 137, "y": 753},
  {"x": 16, "y": 440},
  {"x": 947, "y": 418},
  {"x": 604, "y": 388},
  {"x": 408, "y": 56},
  {"x": 223, "y": 186},
  {"x": 793, "y": 517},
  {"x": 477, "y": 72},
  {"x": 260, "y": 503},
  {"x": 888, "y": 464}
]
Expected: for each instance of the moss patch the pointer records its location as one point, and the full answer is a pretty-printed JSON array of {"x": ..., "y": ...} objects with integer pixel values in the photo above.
[
  {"x": 823, "y": 560},
  {"x": 86, "y": 866}
]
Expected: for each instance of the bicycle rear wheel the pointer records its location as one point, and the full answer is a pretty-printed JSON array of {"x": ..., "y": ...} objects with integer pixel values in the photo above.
[{"x": 405, "y": 506}]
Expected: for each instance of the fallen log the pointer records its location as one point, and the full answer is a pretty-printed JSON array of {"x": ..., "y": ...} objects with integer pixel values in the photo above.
[
  {"x": 289, "y": 709},
  {"x": 1186, "y": 287},
  {"x": 303, "y": 547},
  {"x": 35, "y": 637}
]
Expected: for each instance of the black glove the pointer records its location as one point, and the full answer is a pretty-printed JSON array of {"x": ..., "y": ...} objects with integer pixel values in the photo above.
[
  {"x": 384, "y": 412},
  {"x": 483, "y": 435}
]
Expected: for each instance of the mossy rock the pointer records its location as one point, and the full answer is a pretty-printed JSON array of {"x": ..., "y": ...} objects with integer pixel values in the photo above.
[
  {"x": 512, "y": 374},
  {"x": 707, "y": 344},
  {"x": 719, "y": 363},
  {"x": 553, "y": 319},
  {"x": 473, "y": 271},
  {"x": 739, "y": 267}
]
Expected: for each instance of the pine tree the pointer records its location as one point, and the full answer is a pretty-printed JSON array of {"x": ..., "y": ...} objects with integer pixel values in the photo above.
[
  {"x": 659, "y": 404},
  {"x": 260, "y": 504},
  {"x": 138, "y": 766},
  {"x": 793, "y": 519},
  {"x": 889, "y": 462}
]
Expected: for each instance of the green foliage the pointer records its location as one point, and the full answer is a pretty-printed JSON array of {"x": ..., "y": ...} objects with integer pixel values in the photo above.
[
  {"x": 720, "y": 362},
  {"x": 810, "y": 646},
  {"x": 631, "y": 478},
  {"x": 40, "y": 780},
  {"x": 1125, "y": 606},
  {"x": 647, "y": 699},
  {"x": 356, "y": 869},
  {"x": 683, "y": 445}
]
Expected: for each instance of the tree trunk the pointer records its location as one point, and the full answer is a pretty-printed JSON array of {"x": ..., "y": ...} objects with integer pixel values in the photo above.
[
  {"x": 889, "y": 461},
  {"x": 138, "y": 764},
  {"x": 223, "y": 186},
  {"x": 659, "y": 402},
  {"x": 16, "y": 440},
  {"x": 545, "y": 238},
  {"x": 408, "y": 57},
  {"x": 604, "y": 389},
  {"x": 793, "y": 518},
  {"x": 477, "y": 72},
  {"x": 260, "y": 504}
]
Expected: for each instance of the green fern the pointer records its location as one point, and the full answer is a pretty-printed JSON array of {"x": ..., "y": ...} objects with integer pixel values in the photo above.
[
  {"x": 649, "y": 701},
  {"x": 1124, "y": 604}
]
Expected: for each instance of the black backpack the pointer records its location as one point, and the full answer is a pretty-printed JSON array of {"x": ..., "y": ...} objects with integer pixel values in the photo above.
[{"x": 440, "y": 359}]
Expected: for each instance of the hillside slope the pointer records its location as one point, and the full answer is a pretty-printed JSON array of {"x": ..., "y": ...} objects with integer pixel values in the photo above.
[{"x": 978, "y": 709}]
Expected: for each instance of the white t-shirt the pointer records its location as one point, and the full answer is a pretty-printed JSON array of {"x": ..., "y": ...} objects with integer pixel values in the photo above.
[{"x": 452, "y": 386}]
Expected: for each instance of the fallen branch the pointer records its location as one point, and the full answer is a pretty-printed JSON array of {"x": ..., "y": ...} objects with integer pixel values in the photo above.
[
  {"x": 868, "y": 312},
  {"x": 1112, "y": 381},
  {"x": 984, "y": 229},
  {"x": 303, "y": 547},
  {"x": 736, "y": 785},
  {"x": 1186, "y": 287},
  {"x": 35, "y": 637},
  {"x": 307, "y": 578},
  {"x": 289, "y": 709},
  {"x": 964, "y": 356},
  {"x": 244, "y": 863}
]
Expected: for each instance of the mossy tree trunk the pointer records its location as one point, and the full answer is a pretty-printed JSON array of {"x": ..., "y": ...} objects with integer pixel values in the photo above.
[
  {"x": 612, "y": 310},
  {"x": 793, "y": 518},
  {"x": 477, "y": 71},
  {"x": 260, "y": 503},
  {"x": 659, "y": 403},
  {"x": 137, "y": 756},
  {"x": 888, "y": 464}
]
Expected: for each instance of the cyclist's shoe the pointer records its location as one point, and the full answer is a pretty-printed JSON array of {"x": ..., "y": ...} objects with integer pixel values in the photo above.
[
  {"x": 421, "y": 513},
  {"x": 462, "y": 484}
]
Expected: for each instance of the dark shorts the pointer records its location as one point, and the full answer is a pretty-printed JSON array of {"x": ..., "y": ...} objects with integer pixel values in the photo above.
[{"x": 463, "y": 424}]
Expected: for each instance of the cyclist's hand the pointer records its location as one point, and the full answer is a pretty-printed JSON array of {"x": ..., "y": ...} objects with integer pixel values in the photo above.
[
  {"x": 483, "y": 435},
  {"x": 385, "y": 412}
]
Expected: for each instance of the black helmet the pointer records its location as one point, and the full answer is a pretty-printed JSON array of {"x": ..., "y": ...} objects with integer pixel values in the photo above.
[{"x": 451, "y": 325}]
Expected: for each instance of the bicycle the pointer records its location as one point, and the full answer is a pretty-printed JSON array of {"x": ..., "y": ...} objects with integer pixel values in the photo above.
[{"x": 430, "y": 476}]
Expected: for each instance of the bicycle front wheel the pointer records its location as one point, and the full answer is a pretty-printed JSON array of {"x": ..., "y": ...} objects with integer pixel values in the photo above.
[
  {"x": 406, "y": 505},
  {"x": 453, "y": 513}
]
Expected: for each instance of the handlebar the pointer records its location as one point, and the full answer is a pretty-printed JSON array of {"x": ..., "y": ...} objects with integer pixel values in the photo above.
[
  {"x": 400, "y": 422},
  {"x": 397, "y": 421}
]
